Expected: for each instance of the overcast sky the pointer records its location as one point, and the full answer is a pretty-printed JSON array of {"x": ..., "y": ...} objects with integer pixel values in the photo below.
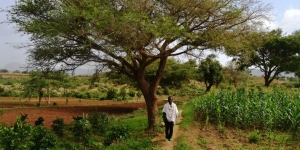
[{"x": 286, "y": 16}]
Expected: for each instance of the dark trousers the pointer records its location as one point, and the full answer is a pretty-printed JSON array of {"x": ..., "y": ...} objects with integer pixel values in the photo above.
[{"x": 169, "y": 129}]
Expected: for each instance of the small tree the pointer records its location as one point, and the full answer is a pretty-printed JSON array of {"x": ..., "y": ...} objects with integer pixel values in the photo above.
[{"x": 210, "y": 71}]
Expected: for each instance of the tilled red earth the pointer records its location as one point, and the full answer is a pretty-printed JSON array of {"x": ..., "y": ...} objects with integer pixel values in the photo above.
[{"x": 15, "y": 108}]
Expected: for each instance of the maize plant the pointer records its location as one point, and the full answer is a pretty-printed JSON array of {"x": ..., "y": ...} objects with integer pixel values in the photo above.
[{"x": 248, "y": 109}]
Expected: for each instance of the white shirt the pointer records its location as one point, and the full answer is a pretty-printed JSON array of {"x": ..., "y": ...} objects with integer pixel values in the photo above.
[{"x": 171, "y": 111}]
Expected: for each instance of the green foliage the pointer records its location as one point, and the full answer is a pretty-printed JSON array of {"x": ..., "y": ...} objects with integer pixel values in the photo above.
[
  {"x": 55, "y": 104},
  {"x": 41, "y": 138},
  {"x": 81, "y": 128},
  {"x": 39, "y": 121},
  {"x": 132, "y": 143},
  {"x": 123, "y": 93},
  {"x": 16, "y": 137},
  {"x": 116, "y": 132},
  {"x": 4, "y": 70},
  {"x": 176, "y": 73},
  {"x": 254, "y": 137},
  {"x": 58, "y": 127},
  {"x": 188, "y": 114},
  {"x": 131, "y": 93},
  {"x": 1, "y": 89},
  {"x": 129, "y": 36},
  {"x": 210, "y": 71},
  {"x": 99, "y": 122},
  {"x": 272, "y": 50},
  {"x": 268, "y": 110},
  {"x": 182, "y": 145},
  {"x": 111, "y": 93},
  {"x": 139, "y": 94}
]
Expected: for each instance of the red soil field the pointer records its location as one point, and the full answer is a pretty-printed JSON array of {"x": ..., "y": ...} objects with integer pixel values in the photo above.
[{"x": 13, "y": 108}]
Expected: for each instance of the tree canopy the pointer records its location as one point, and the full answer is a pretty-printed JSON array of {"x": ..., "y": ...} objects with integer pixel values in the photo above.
[
  {"x": 129, "y": 35},
  {"x": 211, "y": 72},
  {"x": 274, "y": 53}
]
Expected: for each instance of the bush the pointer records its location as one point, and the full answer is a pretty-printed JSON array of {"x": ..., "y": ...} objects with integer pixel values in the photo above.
[
  {"x": 1, "y": 89},
  {"x": 58, "y": 126},
  {"x": 111, "y": 94},
  {"x": 99, "y": 122},
  {"x": 42, "y": 138},
  {"x": 116, "y": 133},
  {"x": 81, "y": 128},
  {"x": 39, "y": 121},
  {"x": 254, "y": 137},
  {"x": 15, "y": 137},
  {"x": 131, "y": 93},
  {"x": 123, "y": 93}
]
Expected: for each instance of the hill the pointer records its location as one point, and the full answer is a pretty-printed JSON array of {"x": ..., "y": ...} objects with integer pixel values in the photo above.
[{"x": 15, "y": 66}]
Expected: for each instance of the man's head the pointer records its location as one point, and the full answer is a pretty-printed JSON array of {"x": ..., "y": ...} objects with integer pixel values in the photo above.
[{"x": 170, "y": 99}]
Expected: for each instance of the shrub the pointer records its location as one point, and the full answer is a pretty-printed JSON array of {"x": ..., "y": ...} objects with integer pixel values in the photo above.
[
  {"x": 39, "y": 121},
  {"x": 58, "y": 126},
  {"x": 123, "y": 93},
  {"x": 15, "y": 137},
  {"x": 81, "y": 128},
  {"x": 1, "y": 89},
  {"x": 111, "y": 94},
  {"x": 131, "y": 93},
  {"x": 254, "y": 137},
  {"x": 116, "y": 133},
  {"x": 99, "y": 122},
  {"x": 38, "y": 104},
  {"x": 42, "y": 139}
]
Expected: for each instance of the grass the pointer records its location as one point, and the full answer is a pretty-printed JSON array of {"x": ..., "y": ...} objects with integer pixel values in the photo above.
[
  {"x": 182, "y": 145},
  {"x": 187, "y": 114},
  {"x": 137, "y": 126}
]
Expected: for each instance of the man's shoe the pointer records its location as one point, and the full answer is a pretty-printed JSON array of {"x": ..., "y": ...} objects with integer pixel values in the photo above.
[
  {"x": 170, "y": 140},
  {"x": 166, "y": 139}
]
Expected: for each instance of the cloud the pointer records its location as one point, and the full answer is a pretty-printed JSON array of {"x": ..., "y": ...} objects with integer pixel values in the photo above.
[{"x": 290, "y": 20}]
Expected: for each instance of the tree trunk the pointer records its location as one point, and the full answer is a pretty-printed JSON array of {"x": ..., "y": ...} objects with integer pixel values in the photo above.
[
  {"x": 48, "y": 101},
  {"x": 152, "y": 110},
  {"x": 208, "y": 87},
  {"x": 40, "y": 96},
  {"x": 151, "y": 103},
  {"x": 149, "y": 92}
]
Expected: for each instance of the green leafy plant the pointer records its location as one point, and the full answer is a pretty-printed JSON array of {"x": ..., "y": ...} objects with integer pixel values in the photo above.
[
  {"x": 99, "y": 122},
  {"x": 58, "y": 127},
  {"x": 116, "y": 133},
  {"x": 15, "y": 137},
  {"x": 111, "y": 93},
  {"x": 202, "y": 142},
  {"x": 81, "y": 129},
  {"x": 254, "y": 137},
  {"x": 41, "y": 138},
  {"x": 39, "y": 121}
]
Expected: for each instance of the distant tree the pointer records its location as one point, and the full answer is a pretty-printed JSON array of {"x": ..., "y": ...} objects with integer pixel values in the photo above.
[
  {"x": 274, "y": 53},
  {"x": 4, "y": 70},
  {"x": 43, "y": 80},
  {"x": 210, "y": 71},
  {"x": 17, "y": 71},
  {"x": 232, "y": 74},
  {"x": 176, "y": 73},
  {"x": 129, "y": 35}
]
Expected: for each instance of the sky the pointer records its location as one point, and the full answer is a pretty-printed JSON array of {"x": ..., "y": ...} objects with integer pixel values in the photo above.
[{"x": 286, "y": 14}]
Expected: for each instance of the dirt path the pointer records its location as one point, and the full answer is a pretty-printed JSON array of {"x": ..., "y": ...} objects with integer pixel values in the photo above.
[{"x": 169, "y": 145}]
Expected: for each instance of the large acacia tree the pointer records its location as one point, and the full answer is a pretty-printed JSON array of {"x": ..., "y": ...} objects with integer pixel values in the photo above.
[
  {"x": 273, "y": 53},
  {"x": 129, "y": 35}
]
